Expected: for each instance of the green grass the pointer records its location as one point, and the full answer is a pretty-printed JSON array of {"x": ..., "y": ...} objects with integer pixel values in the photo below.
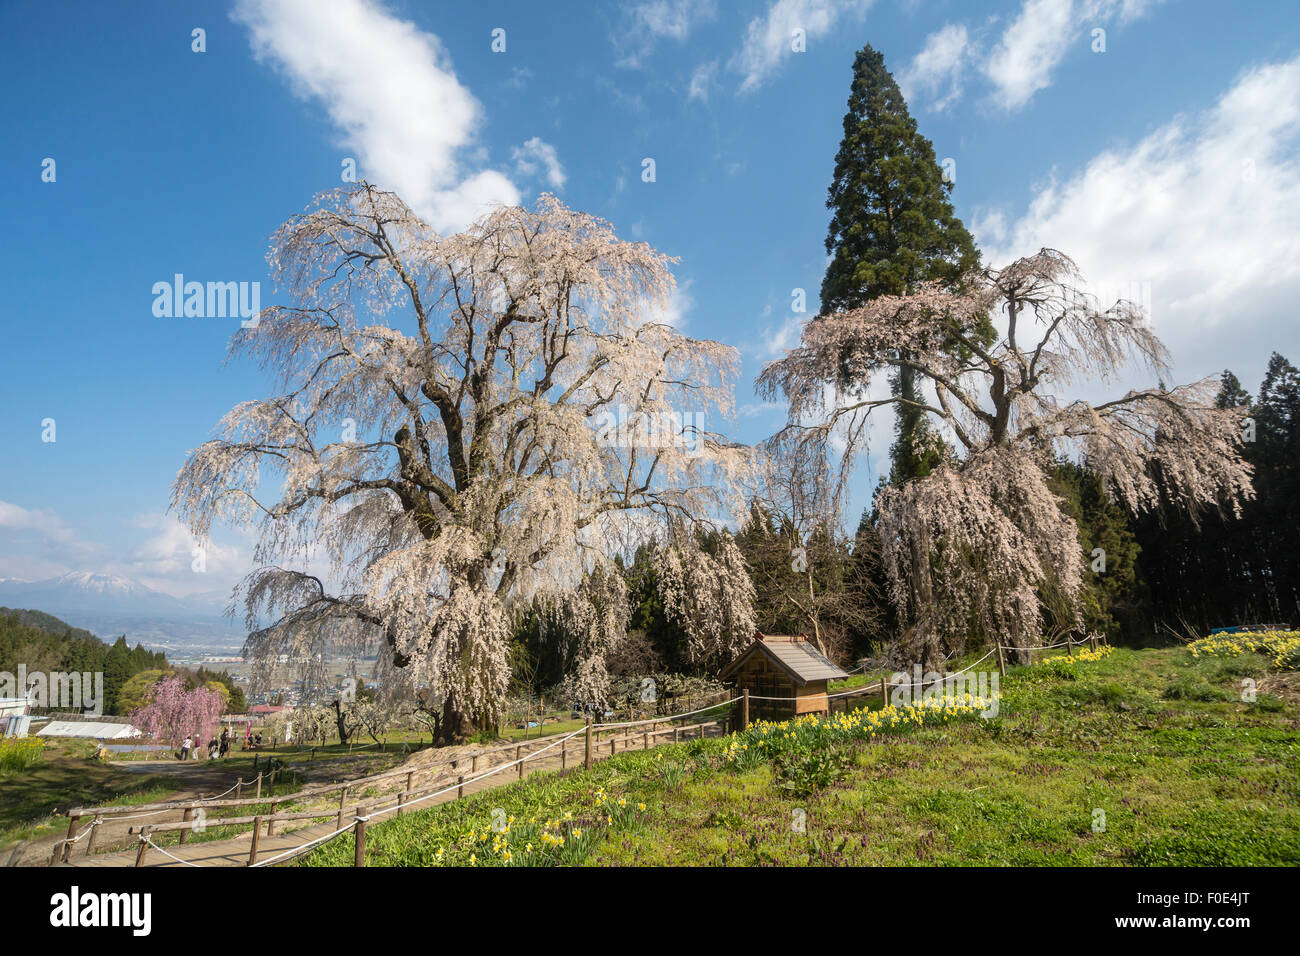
[
  {"x": 1156, "y": 745},
  {"x": 546, "y": 730},
  {"x": 32, "y": 800}
]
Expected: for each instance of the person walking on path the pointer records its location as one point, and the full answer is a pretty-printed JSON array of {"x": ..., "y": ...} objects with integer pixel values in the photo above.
[
  {"x": 225, "y": 741},
  {"x": 185, "y": 748}
]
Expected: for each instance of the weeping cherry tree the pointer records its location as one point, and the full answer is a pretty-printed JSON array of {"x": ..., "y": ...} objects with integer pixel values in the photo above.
[
  {"x": 981, "y": 548},
  {"x": 462, "y": 426}
]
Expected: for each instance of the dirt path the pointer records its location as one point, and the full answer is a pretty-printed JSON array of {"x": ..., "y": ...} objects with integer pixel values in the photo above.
[
  {"x": 235, "y": 852},
  {"x": 195, "y": 780}
]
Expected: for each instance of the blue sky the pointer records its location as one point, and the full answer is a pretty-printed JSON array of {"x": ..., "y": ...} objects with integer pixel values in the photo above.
[{"x": 1166, "y": 165}]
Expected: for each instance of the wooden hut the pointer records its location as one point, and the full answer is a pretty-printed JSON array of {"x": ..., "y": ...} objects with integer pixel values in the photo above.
[{"x": 783, "y": 666}]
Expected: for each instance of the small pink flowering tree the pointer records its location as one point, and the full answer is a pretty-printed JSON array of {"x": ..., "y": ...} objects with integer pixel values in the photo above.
[{"x": 174, "y": 712}]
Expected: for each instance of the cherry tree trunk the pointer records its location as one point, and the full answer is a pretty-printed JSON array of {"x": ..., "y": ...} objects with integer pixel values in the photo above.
[{"x": 456, "y": 727}]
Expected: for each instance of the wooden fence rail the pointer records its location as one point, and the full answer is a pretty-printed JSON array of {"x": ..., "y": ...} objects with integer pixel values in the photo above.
[{"x": 361, "y": 812}]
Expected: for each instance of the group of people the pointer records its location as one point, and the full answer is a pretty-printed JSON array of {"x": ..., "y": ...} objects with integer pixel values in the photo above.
[{"x": 217, "y": 746}]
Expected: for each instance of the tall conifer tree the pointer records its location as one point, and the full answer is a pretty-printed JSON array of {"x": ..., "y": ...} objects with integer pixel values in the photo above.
[{"x": 892, "y": 226}]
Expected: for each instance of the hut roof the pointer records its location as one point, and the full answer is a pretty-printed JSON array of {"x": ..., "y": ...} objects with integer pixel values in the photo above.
[
  {"x": 795, "y": 655},
  {"x": 87, "y": 728}
]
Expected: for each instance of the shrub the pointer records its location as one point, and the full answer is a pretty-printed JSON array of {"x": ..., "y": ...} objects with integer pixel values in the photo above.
[
  {"x": 1268, "y": 704},
  {"x": 803, "y": 750},
  {"x": 1193, "y": 688},
  {"x": 20, "y": 753},
  {"x": 802, "y": 775},
  {"x": 1281, "y": 647},
  {"x": 1113, "y": 695}
]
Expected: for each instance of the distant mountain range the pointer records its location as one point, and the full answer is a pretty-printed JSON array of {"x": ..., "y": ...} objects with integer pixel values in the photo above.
[{"x": 109, "y": 605}]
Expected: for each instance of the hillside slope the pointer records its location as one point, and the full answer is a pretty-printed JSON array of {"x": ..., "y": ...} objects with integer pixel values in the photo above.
[{"x": 1141, "y": 758}]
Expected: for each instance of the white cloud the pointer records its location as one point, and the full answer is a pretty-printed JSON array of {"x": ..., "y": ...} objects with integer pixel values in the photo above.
[
  {"x": 165, "y": 560},
  {"x": 1128, "y": 10},
  {"x": 937, "y": 70},
  {"x": 36, "y": 543},
  {"x": 680, "y": 302},
  {"x": 536, "y": 155},
  {"x": 777, "y": 339},
  {"x": 648, "y": 22},
  {"x": 1024, "y": 58},
  {"x": 991, "y": 226},
  {"x": 1030, "y": 49},
  {"x": 392, "y": 92},
  {"x": 520, "y": 78},
  {"x": 701, "y": 80},
  {"x": 1199, "y": 217},
  {"x": 761, "y": 409},
  {"x": 37, "y": 523},
  {"x": 769, "y": 38}
]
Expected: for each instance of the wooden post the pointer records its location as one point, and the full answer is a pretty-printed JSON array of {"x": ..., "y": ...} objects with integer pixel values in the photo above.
[
  {"x": 884, "y": 693},
  {"x": 144, "y": 846},
  {"x": 1002, "y": 661},
  {"x": 473, "y": 764},
  {"x": 460, "y": 786},
  {"x": 587, "y": 759},
  {"x": 94, "y": 832},
  {"x": 239, "y": 789},
  {"x": 270, "y": 824},
  {"x": 1069, "y": 646},
  {"x": 359, "y": 858},
  {"x": 252, "y": 850},
  {"x": 744, "y": 709},
  {"x": 564, "y": 752},
  {"x": 409, "y": 775},
  {"x": 612, "y": 741},
  {"x": 676, "y": 731},
  {"x": 519, "y": 752},
  {"x": 646, "y": 740},
  {"x": 259, "y": 784},
  {"x": 74, "y": 822},
  {"x": 400, "y": 798},
  {"x": 185, "y": 818}
]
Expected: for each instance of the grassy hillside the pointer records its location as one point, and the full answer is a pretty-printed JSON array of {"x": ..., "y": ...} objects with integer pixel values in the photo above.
[
  {"x": 32, "y": 800},
  {"x": 1142, "y": 757}
]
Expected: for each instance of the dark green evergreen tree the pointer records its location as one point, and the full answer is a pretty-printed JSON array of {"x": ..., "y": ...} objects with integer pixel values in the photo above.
[
  {"x": 1218, "y": 568},
  {"x": 117, "y": 669},
  {"x": 892, "y": 226}
]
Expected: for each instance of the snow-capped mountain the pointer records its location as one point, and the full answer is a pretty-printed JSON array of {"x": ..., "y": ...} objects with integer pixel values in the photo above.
[
  {"x": 110, "y": 605},
  {"x": 102, "y": 584}
]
